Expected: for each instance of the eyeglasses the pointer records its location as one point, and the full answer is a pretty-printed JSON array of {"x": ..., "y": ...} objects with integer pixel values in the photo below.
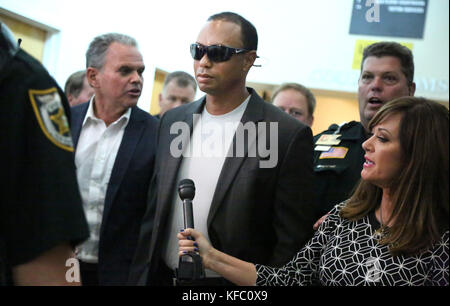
[{"x": 216, "y": 53}]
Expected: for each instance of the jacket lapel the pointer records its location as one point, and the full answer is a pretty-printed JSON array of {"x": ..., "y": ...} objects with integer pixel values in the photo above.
[
  {"x": 254, "y": 113},
  {"x": 172, "y": 164},
  {"x": 130, "y": 139},
  {"x": 77, "y": 116}
]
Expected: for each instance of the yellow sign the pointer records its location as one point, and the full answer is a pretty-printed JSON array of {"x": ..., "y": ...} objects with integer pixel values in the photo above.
[{"x": 360, "y": 45}]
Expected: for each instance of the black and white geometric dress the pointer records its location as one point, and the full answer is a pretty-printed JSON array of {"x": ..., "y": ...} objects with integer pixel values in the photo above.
[{"x": 347, "y": 253}]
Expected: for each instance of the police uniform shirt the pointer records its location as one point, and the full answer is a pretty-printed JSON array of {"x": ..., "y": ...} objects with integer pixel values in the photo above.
[
  {"x": 41, "y": 206},
  {"x": 338, "y": 161}
]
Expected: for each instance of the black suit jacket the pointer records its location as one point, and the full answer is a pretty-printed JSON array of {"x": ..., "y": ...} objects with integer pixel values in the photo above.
[
  {"x": 126, "y": 196},
  {"x": 261, "y": 215}
]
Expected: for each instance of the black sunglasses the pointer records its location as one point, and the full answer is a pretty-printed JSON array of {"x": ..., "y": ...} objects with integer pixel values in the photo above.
[{"x": 216, "y": 53}]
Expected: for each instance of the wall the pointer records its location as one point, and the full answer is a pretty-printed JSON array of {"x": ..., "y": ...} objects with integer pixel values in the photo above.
[
  {"x": 158, "y": 83},
  {"x": 299, "y": 40},
  {"x": 33, "y": 39}
]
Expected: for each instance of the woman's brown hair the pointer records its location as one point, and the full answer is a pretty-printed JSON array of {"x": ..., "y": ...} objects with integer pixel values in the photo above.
[{"x": 421, "y": 191}]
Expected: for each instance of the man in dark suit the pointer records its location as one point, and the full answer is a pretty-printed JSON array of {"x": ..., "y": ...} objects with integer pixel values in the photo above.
[
  {"x": 251, "y": 202},
  {"x": 115, "y": 145}
]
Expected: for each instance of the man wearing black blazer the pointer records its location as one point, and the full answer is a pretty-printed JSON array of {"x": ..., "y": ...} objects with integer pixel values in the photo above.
[
  {"x": 254, "y": 199},
  {"x": 115, "y": 146}
]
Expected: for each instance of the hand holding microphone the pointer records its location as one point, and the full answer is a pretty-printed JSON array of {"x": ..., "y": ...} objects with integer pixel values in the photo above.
[{"x": 191, "y": 240}]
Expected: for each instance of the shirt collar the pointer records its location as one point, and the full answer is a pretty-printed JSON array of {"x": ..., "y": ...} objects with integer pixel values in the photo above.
[
  {"x": 91, "y": 115},
  {"x": 90, "y": 112}
]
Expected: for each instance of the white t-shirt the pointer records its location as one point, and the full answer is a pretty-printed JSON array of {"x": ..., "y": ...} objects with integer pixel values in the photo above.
[{"x": 202, "y": 162}]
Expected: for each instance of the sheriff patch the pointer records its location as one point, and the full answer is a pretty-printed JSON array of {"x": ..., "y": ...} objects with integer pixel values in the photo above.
[
  {"x": 329, "y": 140},
  {"x": 334, "y": 152},
  {"x": 51, "y": 117}
]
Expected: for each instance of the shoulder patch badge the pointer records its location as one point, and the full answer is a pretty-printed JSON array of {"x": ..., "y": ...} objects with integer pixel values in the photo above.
[
  {"x": 329, "y": 140},
  {"x": 334, "y": 152},
  {"x": 51, "y": 117}
]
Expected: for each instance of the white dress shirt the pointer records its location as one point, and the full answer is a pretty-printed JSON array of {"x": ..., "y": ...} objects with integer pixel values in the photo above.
[{"x": 94, "y": 159}]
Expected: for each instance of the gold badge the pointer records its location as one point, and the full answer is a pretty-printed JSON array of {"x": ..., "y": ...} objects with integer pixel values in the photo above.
[
  {"x": 329, "y": 140},
  {"x": 51, "y": 117}
]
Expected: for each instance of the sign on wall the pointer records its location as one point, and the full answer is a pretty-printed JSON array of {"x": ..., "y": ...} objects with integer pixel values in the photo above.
[
  {"x": 393, "y": 18},
  {"x": 361, "y": 44}
]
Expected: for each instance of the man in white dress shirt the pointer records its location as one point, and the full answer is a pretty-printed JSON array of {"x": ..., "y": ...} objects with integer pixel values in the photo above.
[{"x": 115, "y": 147}]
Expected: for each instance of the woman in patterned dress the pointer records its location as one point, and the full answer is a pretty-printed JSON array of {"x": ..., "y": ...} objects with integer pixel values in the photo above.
[{"x": 392, "y": 231}]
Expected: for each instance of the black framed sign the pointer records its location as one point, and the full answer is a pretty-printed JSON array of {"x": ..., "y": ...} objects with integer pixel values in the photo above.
[{"x": 394, "y": 18}]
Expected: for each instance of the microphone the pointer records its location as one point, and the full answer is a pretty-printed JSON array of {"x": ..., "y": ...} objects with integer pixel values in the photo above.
[
  {"x": 186, "y": 191},
  {"x": 190, "y": 266}
]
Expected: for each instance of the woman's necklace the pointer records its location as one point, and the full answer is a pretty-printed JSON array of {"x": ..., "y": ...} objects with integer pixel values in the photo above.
[
  {"x": 381, "y": 232},
  {"x": 381, "y": 216}
]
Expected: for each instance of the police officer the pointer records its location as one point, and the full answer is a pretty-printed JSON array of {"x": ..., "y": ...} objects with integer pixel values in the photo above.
[
  {"x": 387, "y": 73},
  {"x": 41, "y": 217}
]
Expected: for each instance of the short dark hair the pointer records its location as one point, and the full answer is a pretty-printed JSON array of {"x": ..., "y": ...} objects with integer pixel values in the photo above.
[
  {"x": 183, "y": 79},
  {"x": 249, "y": 35},
  {"x": 74, "y": 84},
  {"x": 394, "y": 49},
  {"x": 310, "y": 99}
]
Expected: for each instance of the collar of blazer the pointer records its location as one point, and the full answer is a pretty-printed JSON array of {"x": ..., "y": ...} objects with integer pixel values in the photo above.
[
  {"x": 78, "y": 113},
  {"x": 255, "y": 108},
  {"x": 255, "y": 112}
]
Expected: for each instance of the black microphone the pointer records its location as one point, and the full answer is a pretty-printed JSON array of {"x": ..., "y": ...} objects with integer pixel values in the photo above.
[
  {"x": 186, "y": 191},
  {"x": 190, "y": 267}
]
